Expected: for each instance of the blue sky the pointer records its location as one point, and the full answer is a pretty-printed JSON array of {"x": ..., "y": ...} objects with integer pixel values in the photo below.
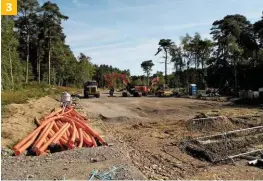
[{"x": 124, "y": 33}]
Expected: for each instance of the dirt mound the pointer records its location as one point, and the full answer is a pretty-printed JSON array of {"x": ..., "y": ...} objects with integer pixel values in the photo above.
[
  {"x": 219, "y": 123},
  {"x": 206, "y": 105},
  {"x": 18, "y": 119},
  {"x": 152, "y": 111},
  {"x": 115, "y": 119},
  {"x": 248, "y": 121}
]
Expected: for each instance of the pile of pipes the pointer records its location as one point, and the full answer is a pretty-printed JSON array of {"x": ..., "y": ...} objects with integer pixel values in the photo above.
[{"x": 64, "y": 128}]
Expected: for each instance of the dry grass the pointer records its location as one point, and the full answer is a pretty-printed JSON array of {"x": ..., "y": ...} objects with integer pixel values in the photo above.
[
  {"x": 234, "y": 112},
  {"x": 34, "y": 91}
]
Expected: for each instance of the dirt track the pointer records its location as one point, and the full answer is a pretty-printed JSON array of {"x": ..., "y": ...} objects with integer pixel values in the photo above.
[
  {"x": 152, "y": 129},
  {"x": 145, "y": 134}
]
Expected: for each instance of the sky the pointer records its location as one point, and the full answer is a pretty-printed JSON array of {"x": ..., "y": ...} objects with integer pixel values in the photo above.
[{"x": 123, "y": 33}]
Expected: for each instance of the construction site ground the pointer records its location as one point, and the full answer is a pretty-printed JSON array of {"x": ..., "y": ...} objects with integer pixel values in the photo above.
[{"x": 143, "y": 135}]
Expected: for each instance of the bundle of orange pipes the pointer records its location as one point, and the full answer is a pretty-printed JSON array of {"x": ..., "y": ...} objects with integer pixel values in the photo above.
[{"x": 65, "y": 128}]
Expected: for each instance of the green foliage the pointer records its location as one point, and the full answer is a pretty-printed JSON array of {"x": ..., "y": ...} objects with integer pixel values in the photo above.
[
  {"x": 231, "y": 62},
  {"x": 165, "y": 45},
  {"x": 36, "y": 50},
  {"x": 147, "y": 68},
  {"x": 84, "y": 69},
  {"x": 11, "y": 66}
]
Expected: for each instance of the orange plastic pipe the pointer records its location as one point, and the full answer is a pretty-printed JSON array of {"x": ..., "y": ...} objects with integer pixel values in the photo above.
[
  {"x": 77, "y": 135},
  {"x": 54, "y": 113},
  {"x": 60, "y": 125},
  {"x": 87, "y": 140},
  {"x": 41, "y": 133},
  {"x": 78, "y": 115},
  {"x": 60, "y": 135},
  {"x": 88, "y": 129},
  {"x": 58, "y": 112},
  {"x": 71, "y": 146},
  {"x": 93, "y": 140},
  {"x": 21, "y": 150},
  {"x": 68, "y": 133},
  {"x": 80, "y": 123},
  {"x": 37, "y": 130},
  {"x": 73, "y": 135},
  {"x": 37, "y": 121},
  {"x": 54, "y": 138},
  {"x": 63, "y": 141},
  {"x": 56, "y": 129},
  {"x": 67, "y": 112},
  {"x": 80, "y": 138},
  {"x": 72, "y": 130},
  {"x": 43, "y": 136}
]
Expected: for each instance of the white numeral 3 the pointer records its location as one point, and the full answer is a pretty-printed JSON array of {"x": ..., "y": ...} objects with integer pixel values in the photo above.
[{"x": 9, "y": 7}]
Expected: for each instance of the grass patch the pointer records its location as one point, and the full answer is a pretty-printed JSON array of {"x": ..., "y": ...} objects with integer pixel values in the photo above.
[{"x": 34, "y": 90}]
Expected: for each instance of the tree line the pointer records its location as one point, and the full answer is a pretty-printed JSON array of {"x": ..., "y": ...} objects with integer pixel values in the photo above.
[
  {"x": 231, "y": 61},
  {"x": 34, "y": 49}
]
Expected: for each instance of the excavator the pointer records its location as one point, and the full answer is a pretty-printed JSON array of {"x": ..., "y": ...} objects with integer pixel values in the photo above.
[{"x": 136, "y": 91}]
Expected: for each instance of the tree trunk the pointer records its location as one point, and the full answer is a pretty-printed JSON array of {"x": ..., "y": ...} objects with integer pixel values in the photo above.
[
  {"x": 49, "y": 56},
  {"x": 148, "y": 78},
  {"x": 204, "y": 74},
  {"x": 38, "y": 63},
  {"x": 195, "y": 63},
  {"x": 39, "y": 70},
  {"x": 187, "y": 75},
  {"x": 165, "y": 76},
  {"x": 27, "y": 57},
  {"x": 11, "y": 68},
  {"x": 54, "y": 77}
]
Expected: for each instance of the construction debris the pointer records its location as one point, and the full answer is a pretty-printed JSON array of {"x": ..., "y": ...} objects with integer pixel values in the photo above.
[
  {"x": 257, "y": 163},
  {"x": 225, "y": 146},
  {"x": 108, "y": 175},
  {"x": 62, "y": 129}
]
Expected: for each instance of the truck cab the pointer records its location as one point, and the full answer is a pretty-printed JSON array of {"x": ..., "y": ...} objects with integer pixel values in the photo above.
[{"x": 91, "y": 88}]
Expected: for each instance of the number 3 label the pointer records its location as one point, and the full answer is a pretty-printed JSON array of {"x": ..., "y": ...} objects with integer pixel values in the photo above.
[{"x": 8, "y": 7}]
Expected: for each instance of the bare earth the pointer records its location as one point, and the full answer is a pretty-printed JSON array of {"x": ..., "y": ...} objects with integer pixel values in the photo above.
[{"x": 143, "y": 133}]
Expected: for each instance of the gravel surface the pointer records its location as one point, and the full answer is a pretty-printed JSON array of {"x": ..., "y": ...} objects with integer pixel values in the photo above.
[{"x": 71, "y": 165}]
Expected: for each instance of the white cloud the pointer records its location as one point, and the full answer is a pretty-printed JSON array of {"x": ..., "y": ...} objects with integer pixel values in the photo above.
[
  {"x": 128, "y": 56},
  {"x": 124, "y": 33},
  {"x": 79, "y": 34},
  {"x": 90, "y": 35}
]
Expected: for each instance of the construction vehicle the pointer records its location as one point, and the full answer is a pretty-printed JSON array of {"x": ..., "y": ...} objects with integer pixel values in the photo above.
[
  {"x": 163, "y": 91},
  {"x": 153, "y": 82},
  {"x": 91, "y": 88},
  {"x": 136, "y": 91}
]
